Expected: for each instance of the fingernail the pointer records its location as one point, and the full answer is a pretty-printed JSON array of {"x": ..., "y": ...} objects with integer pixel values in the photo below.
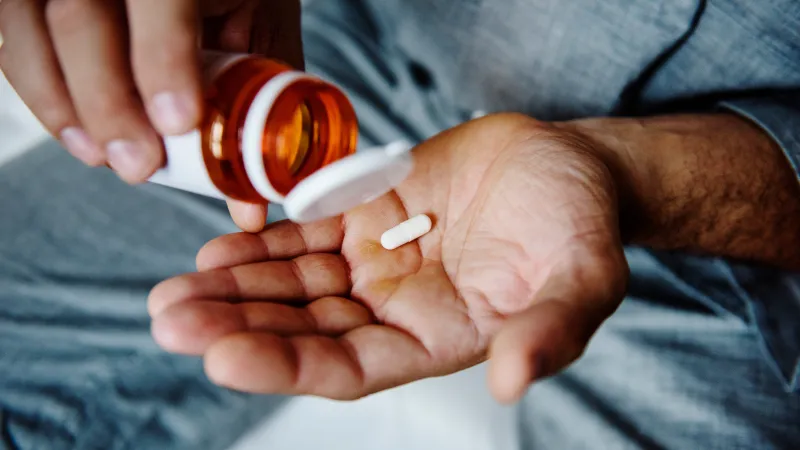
[
  {"x": 172, "y": 113},
  {"x": 81, "y": 146},
  {"x": 127, "y": 158}
]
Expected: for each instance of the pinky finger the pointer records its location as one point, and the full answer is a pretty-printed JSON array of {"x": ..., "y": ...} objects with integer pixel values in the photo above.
[{"x": 38, "y": 80}]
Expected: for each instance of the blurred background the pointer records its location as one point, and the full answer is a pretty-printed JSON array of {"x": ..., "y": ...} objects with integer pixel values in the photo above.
[
  {"x": 19, "y": 129},
  {"x": 454, "y": 412}
]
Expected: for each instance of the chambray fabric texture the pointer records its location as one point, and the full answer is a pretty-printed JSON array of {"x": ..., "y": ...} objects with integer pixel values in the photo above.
[{"x": 702, "y": 354}]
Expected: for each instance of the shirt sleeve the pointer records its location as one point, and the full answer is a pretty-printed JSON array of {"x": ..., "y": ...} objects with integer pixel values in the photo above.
[
  {"x": 773, "y": 296},
  {"x": 779, "y": 116}
]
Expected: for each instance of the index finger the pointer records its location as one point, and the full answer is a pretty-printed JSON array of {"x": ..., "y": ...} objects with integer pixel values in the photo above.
[{"x": 166, "y": 63}]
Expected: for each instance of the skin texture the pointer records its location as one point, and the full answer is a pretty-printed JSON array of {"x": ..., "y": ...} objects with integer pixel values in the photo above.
[
  {"x": 706, "y": 184},
  {"x": 111, "y": 77},
  {"x": 525, "y": 219},
  {"x": 525, "y": 260}
]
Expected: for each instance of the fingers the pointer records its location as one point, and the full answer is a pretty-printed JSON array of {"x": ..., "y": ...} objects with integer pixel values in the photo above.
[
  {"x": 164, "y": 42},
  {"x": 307, "y": 277},
  {"x": 38, "y": 80},
  {"x": 247, "y": 216},
  {"x": 276, "y": 31},
  {"x": 81, "y": 73},
  {"x": 281, "y": 240},
  {"x": 234, "y": 32},
  {"x": 192, "y": 328},
  {"x": 553, "y": 333},
  {"x": 366, "y": 360},
  {"x": 91, "y": 43}
]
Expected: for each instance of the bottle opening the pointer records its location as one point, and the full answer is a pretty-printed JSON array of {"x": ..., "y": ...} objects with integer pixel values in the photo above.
[
  {"x": 292, "y": 123},
  {"x": 296, "y": 139},
  {"x": 311, "y": 125},
  {"x": 227, "y": 100}
]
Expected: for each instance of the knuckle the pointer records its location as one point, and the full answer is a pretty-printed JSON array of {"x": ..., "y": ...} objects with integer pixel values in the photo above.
[
  {"x": 519, "y": 121},
  {"x": 512, "y": 124}
]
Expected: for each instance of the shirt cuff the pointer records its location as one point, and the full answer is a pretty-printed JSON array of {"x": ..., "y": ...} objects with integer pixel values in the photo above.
[
  {"x": 773, "y": 295},
  {"x": 778, "y": 116}
]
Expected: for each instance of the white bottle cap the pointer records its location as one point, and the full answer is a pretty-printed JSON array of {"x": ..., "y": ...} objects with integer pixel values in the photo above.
[
  {"x": 253, "y": 132},
  {"x": 349, "y": 182}
]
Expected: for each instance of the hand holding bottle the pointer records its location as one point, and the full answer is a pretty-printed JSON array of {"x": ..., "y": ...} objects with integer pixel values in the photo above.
[{"x": 110, "y": 78}]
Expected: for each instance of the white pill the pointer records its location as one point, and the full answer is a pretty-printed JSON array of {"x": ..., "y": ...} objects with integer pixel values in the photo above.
[
  {"x": 410, "y": 230},
  {"x": 478, "y": 114}
]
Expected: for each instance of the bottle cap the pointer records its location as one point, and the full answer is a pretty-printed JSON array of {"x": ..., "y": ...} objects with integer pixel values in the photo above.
[{"x": 349, "y": 182}]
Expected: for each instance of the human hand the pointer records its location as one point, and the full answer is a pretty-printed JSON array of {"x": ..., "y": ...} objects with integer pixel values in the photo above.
[
  {"x": 109, "y": 77},
  {"x": 523, "y": 264}
]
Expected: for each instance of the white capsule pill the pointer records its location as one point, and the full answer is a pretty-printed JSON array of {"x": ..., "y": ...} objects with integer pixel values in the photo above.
[
  {"x": 478, "y": 114},
  {"x": 410, "y": 230}
]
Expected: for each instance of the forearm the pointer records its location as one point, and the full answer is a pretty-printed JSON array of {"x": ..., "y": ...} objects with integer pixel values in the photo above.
[{"x": 710, "y": 184}]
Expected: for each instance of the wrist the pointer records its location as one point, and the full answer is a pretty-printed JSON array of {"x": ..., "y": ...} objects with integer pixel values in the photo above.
[
  {"x": 636, "y": 173},
  {"x": 712, "y": 184}
]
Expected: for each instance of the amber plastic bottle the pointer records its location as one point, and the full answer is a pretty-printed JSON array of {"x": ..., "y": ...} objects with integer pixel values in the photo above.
[{"x": 265, "y": 128}]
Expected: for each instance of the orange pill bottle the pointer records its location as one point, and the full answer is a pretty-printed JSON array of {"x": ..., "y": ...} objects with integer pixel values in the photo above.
[{"x": 268, "y": 130}]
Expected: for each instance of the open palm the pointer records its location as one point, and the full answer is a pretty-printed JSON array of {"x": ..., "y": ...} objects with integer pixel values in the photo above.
[{"x": 524, "y": 257}]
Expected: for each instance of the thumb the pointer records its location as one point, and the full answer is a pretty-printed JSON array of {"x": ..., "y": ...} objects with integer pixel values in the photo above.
[{"x": 554, "y": 331}]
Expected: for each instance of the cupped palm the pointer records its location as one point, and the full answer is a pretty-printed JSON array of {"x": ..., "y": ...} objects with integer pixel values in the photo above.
[{"x": 524, "y": 257}]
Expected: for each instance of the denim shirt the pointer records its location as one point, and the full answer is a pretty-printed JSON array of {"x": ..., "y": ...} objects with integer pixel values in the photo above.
[{"x": 562, "y": 59}]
